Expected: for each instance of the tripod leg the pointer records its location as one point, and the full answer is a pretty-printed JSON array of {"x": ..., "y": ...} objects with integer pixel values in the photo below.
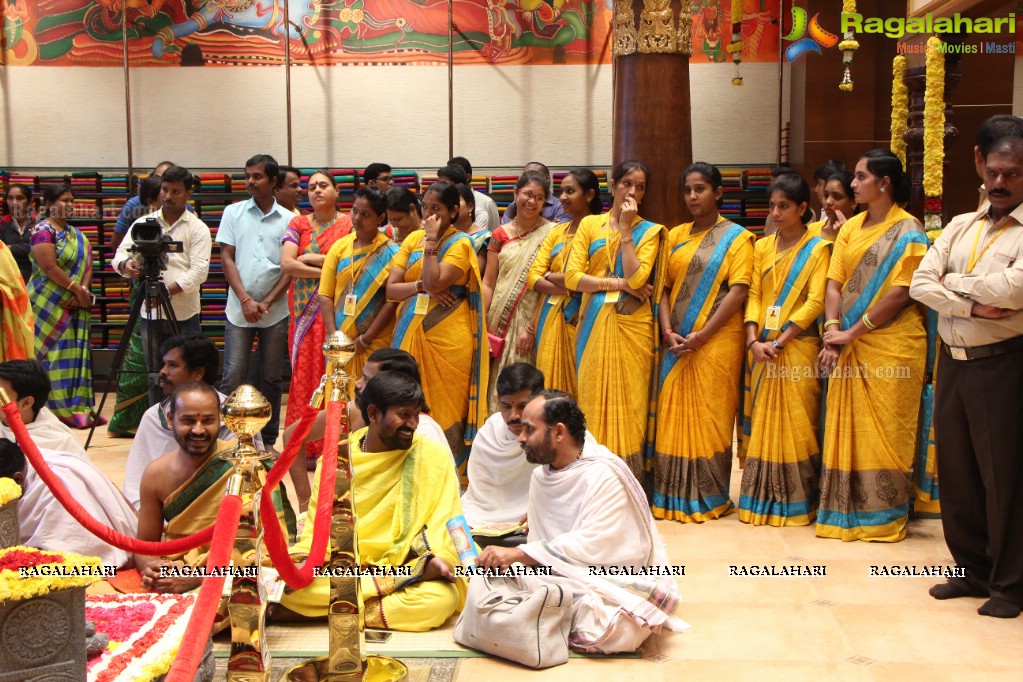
[{"x": 122, "y": 351}]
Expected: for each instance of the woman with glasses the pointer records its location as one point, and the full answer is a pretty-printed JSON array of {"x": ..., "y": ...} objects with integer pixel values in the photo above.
[{"x": 509, "y": 302}]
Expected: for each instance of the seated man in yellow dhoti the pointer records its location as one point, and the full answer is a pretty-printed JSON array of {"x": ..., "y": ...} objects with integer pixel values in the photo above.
[
  {"x": 181, "y": 491},
  {"x": 406, "y": 489}
]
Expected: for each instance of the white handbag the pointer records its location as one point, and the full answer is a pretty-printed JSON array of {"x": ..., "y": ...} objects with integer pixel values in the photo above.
[{"x": 530, "y": 628}]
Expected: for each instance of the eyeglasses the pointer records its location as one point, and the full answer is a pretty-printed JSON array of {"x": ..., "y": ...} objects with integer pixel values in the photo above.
[
  {"x": 385, "y": 178},
  {"x": 529, "y": 196}
]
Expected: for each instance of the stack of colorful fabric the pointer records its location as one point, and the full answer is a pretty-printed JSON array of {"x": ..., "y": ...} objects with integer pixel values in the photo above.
[
  {"x": 502, "y": 190},
  {"x": 406, "y": 178},
  {"x": 215, "y": 182}
]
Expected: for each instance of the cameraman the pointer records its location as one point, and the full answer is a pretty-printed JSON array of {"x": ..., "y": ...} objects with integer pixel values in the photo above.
[{"x": 185, "y": 271}]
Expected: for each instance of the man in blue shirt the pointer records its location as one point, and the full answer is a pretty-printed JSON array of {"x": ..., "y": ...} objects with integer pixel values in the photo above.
[
  {"x": 133, "y": 210},
  {"x": 250, "y": 249}
]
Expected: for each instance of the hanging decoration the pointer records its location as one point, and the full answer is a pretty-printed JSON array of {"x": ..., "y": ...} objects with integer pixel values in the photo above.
[
  {"x": 934, "y": 136},
  {"x": 900, "y": 109},
  {"x": 848, "y": 46},
  {"x": 735, "y": 47}
]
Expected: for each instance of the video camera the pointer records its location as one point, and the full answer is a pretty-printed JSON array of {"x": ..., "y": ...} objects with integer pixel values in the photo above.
[{"x": 153, "y": 246}]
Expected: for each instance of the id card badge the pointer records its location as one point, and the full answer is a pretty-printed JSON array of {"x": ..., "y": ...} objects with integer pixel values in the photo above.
[
  {"x": 612, "y": 296},
  {"x": 422, "y": 303},
  {"x": 350, "y": 301},
  {"x": 773, "y": 321},
  {"x": 554, "y": 299}
]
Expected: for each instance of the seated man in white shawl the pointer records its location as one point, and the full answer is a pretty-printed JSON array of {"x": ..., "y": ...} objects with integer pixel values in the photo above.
[
  {"x": 499, "y": 473},
  {"x": 186, "y": 358},
  {"x": 589, "y": 522},
  {"x": 28, "y": 385},
  {"x": 45, "y": 524}
]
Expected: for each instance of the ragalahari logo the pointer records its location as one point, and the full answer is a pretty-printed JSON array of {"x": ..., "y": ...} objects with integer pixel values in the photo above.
[{"x": 819, "y": 37}]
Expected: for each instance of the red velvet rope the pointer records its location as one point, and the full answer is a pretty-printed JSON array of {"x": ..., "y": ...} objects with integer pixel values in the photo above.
[
  {"x": 200, "y": 623},
  {"x": 273, "y": 539},
  {"x": 104, "y": 533}
]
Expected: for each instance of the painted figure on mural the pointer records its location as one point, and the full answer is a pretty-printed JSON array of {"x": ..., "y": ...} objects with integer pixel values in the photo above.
[{"x": 321, "y": 31}]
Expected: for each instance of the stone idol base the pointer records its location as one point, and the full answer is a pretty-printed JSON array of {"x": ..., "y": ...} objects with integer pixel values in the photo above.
[{"x": 42, "y": 639}]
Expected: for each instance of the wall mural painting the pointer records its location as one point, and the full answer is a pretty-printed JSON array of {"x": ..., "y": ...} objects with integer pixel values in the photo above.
[{"x": 325, "y": 32}]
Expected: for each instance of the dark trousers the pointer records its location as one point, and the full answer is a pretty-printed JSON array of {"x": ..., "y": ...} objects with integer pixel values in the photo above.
[{"x": 978, "y": 422}]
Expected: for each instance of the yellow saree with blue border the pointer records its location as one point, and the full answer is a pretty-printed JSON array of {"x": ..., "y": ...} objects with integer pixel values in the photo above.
[
  {"x": 870, "y": 432},
  {"x": 616, "y": 341},
  {"x": 781, "y": 397},
  {"x": 559, "y": 315},
  {"x": 448, "y": 343},
  {"x": 699, "y": 392}
]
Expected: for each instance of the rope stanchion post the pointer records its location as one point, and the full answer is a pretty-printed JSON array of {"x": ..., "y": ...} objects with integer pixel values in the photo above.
[
  {"x": 346, "y": 657},
  {"x": 245, "y": 412}
]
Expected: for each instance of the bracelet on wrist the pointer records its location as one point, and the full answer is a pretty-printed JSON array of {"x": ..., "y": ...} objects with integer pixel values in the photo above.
[
  {"x": 775, "y": 345},
  {"x": 828, "y": 323},
  {"x": 246, "y": 300},
  {"x": 750, "y": 344},
  {"x": 420, "y": 287},
  {"x": 867, "y": 323},
  {"x": 430, "y": 252}
]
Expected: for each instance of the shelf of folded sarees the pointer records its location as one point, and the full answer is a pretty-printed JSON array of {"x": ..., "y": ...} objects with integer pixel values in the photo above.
[{"x": 10, "y": 493}]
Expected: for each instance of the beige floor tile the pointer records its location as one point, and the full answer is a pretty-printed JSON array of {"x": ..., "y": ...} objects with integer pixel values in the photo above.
[
  {"x": 933, "y": 672},
  {"x": 948, "y": 632},
  {"x": 757, "y": 632},
  {"x": 592, "y": 669},
  {"x": 765, "y": 671}
]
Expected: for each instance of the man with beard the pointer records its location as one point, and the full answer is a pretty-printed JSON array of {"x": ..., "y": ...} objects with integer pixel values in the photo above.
[
  {"x": 186, "y": 486},
  {"x": 973, "y": 278},
  {"x": 499, "y": 474},
  {"x": 406, "y": 490},
  {"x": 186, "y": 357},
  {"x": 590, "y": 523},
  {"x": 381, "y": 360}
]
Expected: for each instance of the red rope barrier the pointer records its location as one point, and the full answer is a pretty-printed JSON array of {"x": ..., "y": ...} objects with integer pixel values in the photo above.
[
  {"x": 104, "y": 533},
  {"x": 200, "y": 623},
  {"x": 273, "y": 538}
]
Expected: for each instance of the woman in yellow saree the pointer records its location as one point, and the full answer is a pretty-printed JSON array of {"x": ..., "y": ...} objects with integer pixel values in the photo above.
[
  {"x": 557, "y": 315},
  {"x": 874, "y": 350},
  {"x": 507, "y": 298},
  {"x": 353, "y": 296},
  {"x": 436, "y": 279},
  {"x": 612, "y": 263},
  {"x": 839, "y": 205},
  {"x": 781, "y": 391},
  {"x": 708, "y": 272}
]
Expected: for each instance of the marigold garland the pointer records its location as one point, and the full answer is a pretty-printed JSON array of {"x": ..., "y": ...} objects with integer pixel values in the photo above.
[
  {"x": 900, "y": 109},
  {"x": 9, "y": 491},
  {"x": 848, "y": 46},
  {"x": 735, "y": 47},
  {"x": 13, "y": 586},
  {"x": 934, "y": 133}
]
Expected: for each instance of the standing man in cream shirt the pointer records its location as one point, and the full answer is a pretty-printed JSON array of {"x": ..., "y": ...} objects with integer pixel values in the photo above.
[{"x": 973, "y": 277}]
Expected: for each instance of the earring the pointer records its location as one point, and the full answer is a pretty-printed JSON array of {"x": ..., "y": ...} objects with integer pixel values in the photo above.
[{"x": 884, "y": 189}]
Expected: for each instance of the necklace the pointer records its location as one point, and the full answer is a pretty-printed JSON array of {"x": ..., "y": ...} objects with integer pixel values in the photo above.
[
  {"x": 362, "y": 443},
  {"x": 519, "y": 234},
  {"x": 322, "y": 223}
]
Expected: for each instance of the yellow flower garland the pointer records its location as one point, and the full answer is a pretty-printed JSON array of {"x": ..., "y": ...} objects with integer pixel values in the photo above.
[
  {"x": 900, "y": 109},
  {"x": 848, "y": 46},
  {"x": 9, "y": 491},
  {"x": 934, "y": 119},
  {"x": 13, "y": 586}
]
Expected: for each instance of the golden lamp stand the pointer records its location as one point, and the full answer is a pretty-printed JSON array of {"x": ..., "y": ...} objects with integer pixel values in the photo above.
[
  {"x": 246, "y": 412},
  {"x": 346, "y": 658}
]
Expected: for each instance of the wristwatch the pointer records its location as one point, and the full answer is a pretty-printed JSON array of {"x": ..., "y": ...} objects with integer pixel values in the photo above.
[{"x": 774, "y": 345}]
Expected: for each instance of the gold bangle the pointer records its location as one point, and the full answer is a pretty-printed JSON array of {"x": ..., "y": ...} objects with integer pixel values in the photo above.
[
  {"x": 867, "y": 323},
  {"x": 828, "y": 323}
]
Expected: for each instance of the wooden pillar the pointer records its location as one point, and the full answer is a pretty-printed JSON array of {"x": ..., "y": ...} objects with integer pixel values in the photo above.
[{"x": 651, "y": 98}]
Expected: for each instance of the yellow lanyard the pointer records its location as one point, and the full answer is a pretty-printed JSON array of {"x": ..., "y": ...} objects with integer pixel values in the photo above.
[
  {"x": 774, "y": 267},
  {"x": 974, "y": 256},
  {"x": 612, "y": 255}
]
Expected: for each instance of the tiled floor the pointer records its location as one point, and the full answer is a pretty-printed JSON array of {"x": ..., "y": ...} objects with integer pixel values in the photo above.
[{"x": 845, "y": 625}]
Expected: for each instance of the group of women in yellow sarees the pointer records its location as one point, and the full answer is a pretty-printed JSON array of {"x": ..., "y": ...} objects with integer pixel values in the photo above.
[{"x": 667, "y": 337}]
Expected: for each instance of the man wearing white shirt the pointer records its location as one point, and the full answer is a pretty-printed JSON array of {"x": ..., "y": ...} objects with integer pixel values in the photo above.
[
  {"x": 28, "y": 385},
  {"x": 499, "y": 472},
  {"x": 186, "y": 271}
]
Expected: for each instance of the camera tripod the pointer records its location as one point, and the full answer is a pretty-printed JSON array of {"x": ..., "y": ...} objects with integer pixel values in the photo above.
[{"x": 152, "y": 289}]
